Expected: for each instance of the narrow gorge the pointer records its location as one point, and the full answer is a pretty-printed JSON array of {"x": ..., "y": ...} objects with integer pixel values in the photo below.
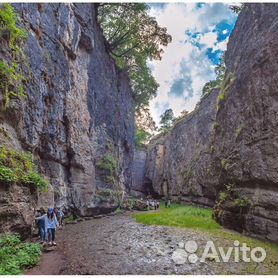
[{"x": 77, "y": 119}]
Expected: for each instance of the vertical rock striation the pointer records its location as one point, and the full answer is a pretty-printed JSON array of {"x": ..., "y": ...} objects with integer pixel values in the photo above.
[
  {"x": 225, "y": 153},
  {"x": 79, "y": 108}
]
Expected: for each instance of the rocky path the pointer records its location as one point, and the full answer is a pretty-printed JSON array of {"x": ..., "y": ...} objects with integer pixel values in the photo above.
[{"x": 119, "y": 245}]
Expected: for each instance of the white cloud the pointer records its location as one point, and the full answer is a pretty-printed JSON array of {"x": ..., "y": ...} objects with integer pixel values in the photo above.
[
  {"x": 182, "y": 59},
  {"x": 209, "y": 39}
]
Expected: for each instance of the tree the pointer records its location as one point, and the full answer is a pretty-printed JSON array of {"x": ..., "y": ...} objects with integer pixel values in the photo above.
[
  {"x": 167, "y": 119},
  {"x": 141, "y": 137},
  {"x": 182, "y": 115},
  {"x": 134, "y": 37},
  {"x": 220, "y": 72},
  {"x": 145, "y": 121},
  {"x": 236, "y": 8}
]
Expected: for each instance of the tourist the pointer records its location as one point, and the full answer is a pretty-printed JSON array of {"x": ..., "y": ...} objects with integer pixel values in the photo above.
[
  {"x": 59, "y": 215},
  {"x": 41, "y": 225},
  {"x": 148, "y": 204},
  {"x": 51, "y": 224}
]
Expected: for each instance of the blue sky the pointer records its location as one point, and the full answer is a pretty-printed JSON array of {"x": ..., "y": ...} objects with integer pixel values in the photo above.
[{"x": 200, "y": 32}]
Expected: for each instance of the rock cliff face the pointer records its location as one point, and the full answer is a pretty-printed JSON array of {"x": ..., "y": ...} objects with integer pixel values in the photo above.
[
  {"x": 138, "y": 174},
  {"x": 178, "y": 162},
  {"x": 225, "y": 153},
  {"x": 79, "y": 109}
]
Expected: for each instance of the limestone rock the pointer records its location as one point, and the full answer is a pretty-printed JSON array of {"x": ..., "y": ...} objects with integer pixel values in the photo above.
[{"x": 79, "y": 106}]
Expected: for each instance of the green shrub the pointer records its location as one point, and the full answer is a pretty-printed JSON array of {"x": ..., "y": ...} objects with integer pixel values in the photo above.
[
  {"x": 8, "y": 28},
  {"x": 243, "y": 202},
  {"x": 108, "y": 163},
  {"x": 141, "y": 138},
  {"x": 11, "y": 83},
  {"x": 15, "y": 256},
  {"x": 110, "y": 166},
  {"x": 7, "y": 175},
  {"x": 36, "y": 180},
  {"x": 19, "y": 167},
  {"x": 11, "y": 76}
]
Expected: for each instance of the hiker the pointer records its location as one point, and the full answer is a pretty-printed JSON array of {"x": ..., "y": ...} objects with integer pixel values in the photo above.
[
  {"x": 148, "y": 204},
  {"x": 59, "y": 215},
  {"x": 41, "y": 225},
  {"x": 156, "y": 204},
  {"x": 168, "y": 203},
  {"x": 51, "y": 224}
]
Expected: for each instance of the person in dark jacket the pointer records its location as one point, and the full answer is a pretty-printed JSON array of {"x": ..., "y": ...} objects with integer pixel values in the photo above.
[{"x": 41, "y": 224}]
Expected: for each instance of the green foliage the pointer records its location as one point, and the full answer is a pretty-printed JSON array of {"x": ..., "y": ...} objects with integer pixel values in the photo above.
[
  {"x": 8, "y": 29},
  {"x": 239, "y": 129},
  {"x": 109, "y": 195},
  {"x": 108, "y": 163},
  {"x": 141, "y": 137},
  {"x": 243, "y": 202},
  {"x": 180, "y": 216},
  {"x": 11, "y": 84},
  {"x": 214, "y": 84},
  {"x": 167, "y": 120},
  {"x": 110, "y": 166},
  {"x": 36, "y": 180},
  {"x": 15, "y": 256},
  {"x": 7, "y": 175},
  {"x": 72, "y": 219},
  {"x": 227, "y": 82},
  {"x": 134, "y": 37},
  {"x": 221, "y": 97},
  {"x": 11, "y": 76},
  {"x": 236, "y": 8},
  {"x": 20, "y": 168}
]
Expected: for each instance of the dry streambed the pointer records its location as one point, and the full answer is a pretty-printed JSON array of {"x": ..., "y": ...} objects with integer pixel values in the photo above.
[{"x": 119, "y": 245}]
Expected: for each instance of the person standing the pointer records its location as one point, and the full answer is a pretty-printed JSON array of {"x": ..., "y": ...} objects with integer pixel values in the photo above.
[
  {"x": 41, "y": 224},
  {"x": 51, "y": 223}
]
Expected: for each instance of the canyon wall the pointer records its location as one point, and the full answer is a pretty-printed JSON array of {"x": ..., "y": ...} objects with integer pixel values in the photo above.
[
  {"x": 79, "y": 110},
  {"x": 224, "y": 154}
]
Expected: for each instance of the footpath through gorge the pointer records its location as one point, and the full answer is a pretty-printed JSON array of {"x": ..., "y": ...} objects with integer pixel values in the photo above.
[{"x": 117, "y": 244}]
